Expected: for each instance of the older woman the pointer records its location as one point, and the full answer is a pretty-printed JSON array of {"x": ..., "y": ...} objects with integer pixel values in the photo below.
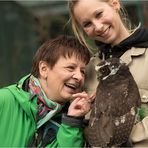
[{"x": 31, "y": 110}]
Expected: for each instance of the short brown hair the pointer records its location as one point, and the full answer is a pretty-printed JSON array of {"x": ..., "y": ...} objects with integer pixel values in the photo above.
[{"x": 53, "y": 49}]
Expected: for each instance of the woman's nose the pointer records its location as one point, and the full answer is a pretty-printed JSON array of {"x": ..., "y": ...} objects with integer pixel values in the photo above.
[
  {"x": 98, "y": 26},
  {"x": 78, "y": 76}
]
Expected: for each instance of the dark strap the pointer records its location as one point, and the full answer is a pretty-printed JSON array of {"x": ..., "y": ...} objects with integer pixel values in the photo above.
[
  {"x": 39, "y": 141},
  {"x": 72, "y": 121},
  {"x": 45, "y": 134}
]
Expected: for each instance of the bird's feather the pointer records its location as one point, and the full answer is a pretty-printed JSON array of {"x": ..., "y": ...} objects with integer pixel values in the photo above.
[{"x": 115, "y": 107}]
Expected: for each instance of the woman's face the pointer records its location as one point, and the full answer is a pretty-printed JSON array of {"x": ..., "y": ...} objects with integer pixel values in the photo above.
[
  {"x": 100, "y": 20},
  {"x": 64, "y": 79}
]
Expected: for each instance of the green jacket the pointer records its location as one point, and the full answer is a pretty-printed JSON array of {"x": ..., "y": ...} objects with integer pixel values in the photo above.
[{"x": 18, "y": 120}]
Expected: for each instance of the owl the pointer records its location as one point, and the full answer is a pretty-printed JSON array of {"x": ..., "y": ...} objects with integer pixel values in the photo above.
[{"x": 115, "y": 107}]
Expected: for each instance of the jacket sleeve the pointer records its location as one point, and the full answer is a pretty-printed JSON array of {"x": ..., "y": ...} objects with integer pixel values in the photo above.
[
  {"x": 140, "y": 131},
  {"x": 70, "y": 134}
]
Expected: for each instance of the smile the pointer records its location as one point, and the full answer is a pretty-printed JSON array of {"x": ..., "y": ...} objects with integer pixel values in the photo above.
[
  {"x": 105, "y": 32},
  {"x": 72, "y": 86}
]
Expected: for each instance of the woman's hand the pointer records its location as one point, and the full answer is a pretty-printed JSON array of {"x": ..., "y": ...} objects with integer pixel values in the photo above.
[{"x": 81, "y": 104}]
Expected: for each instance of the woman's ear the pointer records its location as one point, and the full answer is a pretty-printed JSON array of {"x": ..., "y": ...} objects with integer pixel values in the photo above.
[
  {"x": 115, "y": 4},
  {"x": 43, "y": 69}
]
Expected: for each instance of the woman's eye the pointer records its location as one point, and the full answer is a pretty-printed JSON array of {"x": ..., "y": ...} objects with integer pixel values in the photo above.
[
  {"x": 70, "y": 68},
  {"x": 83, "y": 72},
  {"x": 99, "y": 14},
  {"x": 87, "y": 24}
]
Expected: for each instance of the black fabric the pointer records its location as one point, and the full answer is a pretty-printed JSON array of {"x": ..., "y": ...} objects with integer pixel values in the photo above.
[
  {"x": 127, "y": 144},
  {"x": 72, "y": 121},
  {"x": 138, "y": 39},
  {"x": 25, "y": 85},
  {"x": 40, "y": 138}
]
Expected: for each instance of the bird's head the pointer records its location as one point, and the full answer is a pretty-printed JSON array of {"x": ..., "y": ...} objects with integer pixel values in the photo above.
[{"x": 108, "y": 68}]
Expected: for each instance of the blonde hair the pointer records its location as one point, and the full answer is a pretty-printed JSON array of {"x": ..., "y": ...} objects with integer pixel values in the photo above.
[{"x": 77, "y": 29}]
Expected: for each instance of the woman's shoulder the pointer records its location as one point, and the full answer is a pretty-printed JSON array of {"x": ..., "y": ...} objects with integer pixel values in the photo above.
[
  {"x": 6, "y": 97},
  {"x": 5, "y": 92}
]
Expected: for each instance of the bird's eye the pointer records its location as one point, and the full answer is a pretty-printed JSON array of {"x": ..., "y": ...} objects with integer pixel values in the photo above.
[
  {"x": 105, "y": 70},
  {"x": 102, "y": 70}
]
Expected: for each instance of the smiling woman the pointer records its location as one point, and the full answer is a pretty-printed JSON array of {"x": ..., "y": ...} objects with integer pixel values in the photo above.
[
  {"x": 61, "y": 63},
  {"x": 97, "y": 23},
  {"x": 39, "y": 104},
  {"x": 105, "y": 23}
]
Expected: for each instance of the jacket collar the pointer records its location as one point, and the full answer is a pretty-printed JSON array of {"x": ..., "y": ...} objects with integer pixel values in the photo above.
[
  {"x": 138, "y": 39},
  {"x": 23, "y": 85},
  {"x": 133, "y": 52}
]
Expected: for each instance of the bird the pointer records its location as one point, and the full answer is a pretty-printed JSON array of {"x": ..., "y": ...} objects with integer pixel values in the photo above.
[{"x": 115, "y": 107}]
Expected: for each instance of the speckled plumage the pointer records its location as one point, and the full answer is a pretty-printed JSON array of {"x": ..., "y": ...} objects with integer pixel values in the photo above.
[{"x": 114, "y": 110}]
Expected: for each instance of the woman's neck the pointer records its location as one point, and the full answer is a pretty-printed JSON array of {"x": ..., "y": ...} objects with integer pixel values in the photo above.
[{"x": 124, "y": 33}]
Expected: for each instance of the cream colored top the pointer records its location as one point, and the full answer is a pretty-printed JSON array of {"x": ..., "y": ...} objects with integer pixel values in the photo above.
[{"x": 137, "y": 60}]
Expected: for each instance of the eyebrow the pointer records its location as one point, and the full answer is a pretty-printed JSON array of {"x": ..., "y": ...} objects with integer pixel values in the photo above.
[
  {"x": 97, "y": 11},
  {"x": 74, "y": 64},
  {"x": 94, "y": 13}
]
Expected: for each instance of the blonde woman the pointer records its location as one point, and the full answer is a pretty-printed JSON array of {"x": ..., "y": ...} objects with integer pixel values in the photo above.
[{"x": 105, "y": 22}]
